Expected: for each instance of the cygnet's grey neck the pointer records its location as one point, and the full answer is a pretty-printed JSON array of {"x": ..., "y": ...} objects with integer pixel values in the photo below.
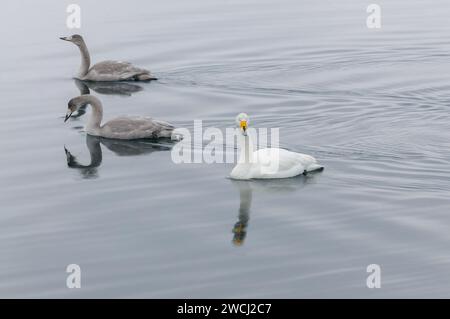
[
  {"x": 96, "y": 116},
  {"x": 85, "y": 60}
]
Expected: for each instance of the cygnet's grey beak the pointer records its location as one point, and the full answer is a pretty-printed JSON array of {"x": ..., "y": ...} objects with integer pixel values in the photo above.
[
  {"x": 68, "y": 115},
  {"x": 64, "y": 38}
]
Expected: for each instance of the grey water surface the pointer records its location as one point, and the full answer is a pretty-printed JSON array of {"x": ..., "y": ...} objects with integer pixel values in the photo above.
[{"x": 371, "y": 105}]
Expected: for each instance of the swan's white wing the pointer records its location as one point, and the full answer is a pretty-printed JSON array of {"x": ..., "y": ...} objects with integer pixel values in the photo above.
[
  {"x": 114, "y": 71},
  {"x": 280, "y": 163},
  {"x": 136, "y": 127}
]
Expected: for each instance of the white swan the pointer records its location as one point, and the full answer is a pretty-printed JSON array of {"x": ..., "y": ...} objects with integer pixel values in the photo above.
[
  {"x": 268, "y": 163},
  {"x": 106, "y": 70},
  {"x": 122, "y": 128}
]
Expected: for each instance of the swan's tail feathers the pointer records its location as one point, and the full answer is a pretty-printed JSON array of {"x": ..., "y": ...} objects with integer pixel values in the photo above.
[
  {"x": 146, "y": 77},
  {"x": 314, "y": 168}
]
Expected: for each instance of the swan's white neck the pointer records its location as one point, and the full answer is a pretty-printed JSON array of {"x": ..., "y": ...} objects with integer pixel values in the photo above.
[
  {"x": 85, "y": 60},
  {"x": 95, "y": 119},
  {"x": 246, "y": 146}
]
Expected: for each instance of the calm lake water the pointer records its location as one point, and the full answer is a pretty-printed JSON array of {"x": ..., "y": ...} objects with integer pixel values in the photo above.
[{"x": 371, "y": 105}]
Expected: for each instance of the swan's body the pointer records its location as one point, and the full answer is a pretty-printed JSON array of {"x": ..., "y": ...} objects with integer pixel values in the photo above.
[
  {"x": 122, "y": 128},
  {"x": 106, "y": 70},
  {"x": 268, "y": 163},
  {"x": 290, "y": 164}
]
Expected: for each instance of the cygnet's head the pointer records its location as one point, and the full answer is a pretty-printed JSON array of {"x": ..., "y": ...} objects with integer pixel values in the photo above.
[
  {"x": 75, "y": 39},
  {"x": 242, "y": 122},
  {"x": 73, "y": 106}
]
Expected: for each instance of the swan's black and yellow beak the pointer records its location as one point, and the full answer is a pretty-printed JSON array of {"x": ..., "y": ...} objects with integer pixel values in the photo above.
[
  {"x": 68, "y": 115},
  {"x": 243, "y": 126}
]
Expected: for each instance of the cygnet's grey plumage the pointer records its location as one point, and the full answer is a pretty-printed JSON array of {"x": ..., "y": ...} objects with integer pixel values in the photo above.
[
  {"x": 106, "y": 70},
  {"x": 122, "y": 128}
]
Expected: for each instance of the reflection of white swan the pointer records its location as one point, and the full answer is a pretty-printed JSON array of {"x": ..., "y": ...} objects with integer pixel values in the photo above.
[
  {"x": 268, "y": 163},
  {"x": 245, "y": 203},
  {"x": 106, "y": 70},
  {"x": 270, "y": 187},
  {"x": 122, "y": 128}
]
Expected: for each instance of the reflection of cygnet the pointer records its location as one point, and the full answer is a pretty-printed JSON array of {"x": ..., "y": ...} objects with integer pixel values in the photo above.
[
  {"x": 108, "y": 88},
  {"x": 122, "y": 128},
  {"x": 118, "y": 147},
  {"x": 95, "y": 152},
  {"x": 268, "y": 163}
]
